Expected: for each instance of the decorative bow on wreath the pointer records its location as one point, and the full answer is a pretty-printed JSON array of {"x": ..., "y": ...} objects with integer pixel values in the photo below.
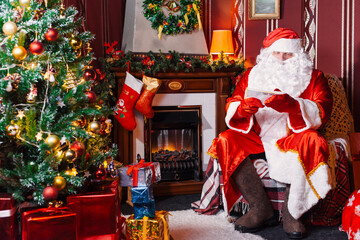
[{"x": 185, "y": 22}]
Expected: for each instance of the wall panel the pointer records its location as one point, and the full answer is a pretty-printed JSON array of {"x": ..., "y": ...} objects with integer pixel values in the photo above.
[{"x": 329, "y": 37}]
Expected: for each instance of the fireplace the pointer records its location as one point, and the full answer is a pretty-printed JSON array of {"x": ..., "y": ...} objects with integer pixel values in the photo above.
[
  {"x": 173, "y": 138},
  {"x": 203, "y": 94}
]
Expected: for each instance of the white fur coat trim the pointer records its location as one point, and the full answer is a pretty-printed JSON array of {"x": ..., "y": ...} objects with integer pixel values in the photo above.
[
  {"x": 305, "y": 191},
  {"x": 286, "y": 45},
  {"x": 310, "y": 113},
  {"x": 229, "y": 115}
]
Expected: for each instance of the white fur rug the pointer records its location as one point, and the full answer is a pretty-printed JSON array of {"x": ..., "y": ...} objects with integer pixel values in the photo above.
[{"x": 187, "y": 224}]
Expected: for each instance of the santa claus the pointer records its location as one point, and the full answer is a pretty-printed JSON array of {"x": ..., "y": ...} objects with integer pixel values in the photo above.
[{"x": 276, "y": 108}]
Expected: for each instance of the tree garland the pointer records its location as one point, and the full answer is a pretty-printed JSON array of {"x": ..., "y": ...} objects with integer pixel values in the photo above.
[{"x": 185, "y": 22}]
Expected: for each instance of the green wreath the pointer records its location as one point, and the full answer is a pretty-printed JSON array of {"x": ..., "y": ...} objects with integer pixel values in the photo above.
[{"x": 185, "y": 22}]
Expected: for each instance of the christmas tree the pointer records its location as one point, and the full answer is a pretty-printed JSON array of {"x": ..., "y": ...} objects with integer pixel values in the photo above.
[{"x": 54, "y": 126}]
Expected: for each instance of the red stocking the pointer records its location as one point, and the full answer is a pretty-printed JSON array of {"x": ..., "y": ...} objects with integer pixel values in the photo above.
[
  {"x": 124, "y": 109},
  {"x": 144, "y": 104}
]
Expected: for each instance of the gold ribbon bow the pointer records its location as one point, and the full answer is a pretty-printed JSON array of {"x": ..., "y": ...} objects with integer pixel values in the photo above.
[
  {"x": 198, "y": 15},
  {"x": 162, "y": 215},
  {"x": 161, "y": 27},
  {"x": 187, "y": 13}
]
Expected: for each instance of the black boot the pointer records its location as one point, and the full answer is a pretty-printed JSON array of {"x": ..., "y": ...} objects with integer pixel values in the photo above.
[
  {"x": 261, "y": 213},
  {"x": 293, "y": 228}
]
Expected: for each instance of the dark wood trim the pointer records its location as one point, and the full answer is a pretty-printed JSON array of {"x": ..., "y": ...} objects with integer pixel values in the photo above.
[{"x": 177, "y": 188}]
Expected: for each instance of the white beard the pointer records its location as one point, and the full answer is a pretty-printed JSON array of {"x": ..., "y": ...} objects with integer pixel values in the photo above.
[{"x": 291, "y": 76}]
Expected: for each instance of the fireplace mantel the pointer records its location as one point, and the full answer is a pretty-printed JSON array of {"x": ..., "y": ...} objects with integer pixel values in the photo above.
[{"x": 200, "y": 81}]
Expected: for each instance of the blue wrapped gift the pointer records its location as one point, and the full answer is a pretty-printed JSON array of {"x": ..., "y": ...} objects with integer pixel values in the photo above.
[
  {"x": 146, "y": 209},
  {"x": 140, "y": 174},
  {"x": 142, "y": 195}
]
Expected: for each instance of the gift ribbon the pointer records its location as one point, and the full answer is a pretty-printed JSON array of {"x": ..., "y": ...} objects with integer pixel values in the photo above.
[
  {"x": 162, "y": 215},
  {"x": 65, "y": 211},
  {"x": 145, "y": 222},
  {"x": 51, "y": 210},
  {"x": 198, "y": 15},
  {"x": 7, "y": 213},
  {"x": 134, "y": 169}
]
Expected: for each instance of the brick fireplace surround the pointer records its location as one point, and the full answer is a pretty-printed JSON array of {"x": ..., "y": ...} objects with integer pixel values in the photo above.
[{"x": 203, "y": 88}]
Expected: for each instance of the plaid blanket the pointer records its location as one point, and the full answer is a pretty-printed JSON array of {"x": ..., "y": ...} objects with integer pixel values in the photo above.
[
  {"x": 327, "y": 212},
  {"x": 211, "y": 197}
]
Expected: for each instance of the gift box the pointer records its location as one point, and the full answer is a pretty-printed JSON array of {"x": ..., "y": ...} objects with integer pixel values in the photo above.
[
  {"x": 49, "y": 224},
  {"x": 8, "y": 222},
  {"x": 148, "y": 228},
  {"x": 142, "y": 195},
  {"x": 140, "y": 174},
  {"x": 98, "y": 214},
  {"x": 123, "y": 228},
  {"x": 144, "y": 210}
]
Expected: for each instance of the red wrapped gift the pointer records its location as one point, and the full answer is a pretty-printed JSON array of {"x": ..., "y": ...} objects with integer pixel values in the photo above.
[
  {"x": 98, "y": 214},
  {"x": 49, "y": 224},
  {"x": 8, "y": 223},
  {"x": 123, "y": 228}
]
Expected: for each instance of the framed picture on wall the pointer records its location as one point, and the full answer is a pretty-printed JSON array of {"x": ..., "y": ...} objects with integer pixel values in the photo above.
[{"x": 264, "y": 9}]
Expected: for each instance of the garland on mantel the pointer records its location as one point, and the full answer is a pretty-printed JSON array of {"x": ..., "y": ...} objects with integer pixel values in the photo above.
[{"x": 151, "y": 63}]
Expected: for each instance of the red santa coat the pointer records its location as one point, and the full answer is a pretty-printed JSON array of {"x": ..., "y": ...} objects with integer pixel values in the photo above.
[{"x": 295, "y": 151}]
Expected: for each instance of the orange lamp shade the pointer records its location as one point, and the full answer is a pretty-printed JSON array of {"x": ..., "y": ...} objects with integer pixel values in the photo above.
[{"x": 222, "y": 41}]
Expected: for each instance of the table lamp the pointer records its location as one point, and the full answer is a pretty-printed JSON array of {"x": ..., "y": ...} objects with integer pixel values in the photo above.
[{"x": 222, "y": 42}]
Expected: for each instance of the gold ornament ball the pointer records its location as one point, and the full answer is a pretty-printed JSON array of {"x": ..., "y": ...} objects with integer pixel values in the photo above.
[
  {"x": 9, "y": 28},
  {"x": 52, "y": 141},
  {"x": 59, "y": 182},
  {"x": 75, "y": 42},
  {"x": 12, "y": 130},
  {"x": 70, "y": 155},
  {"x": 24, "y": 3},
  {"x": 95, "y": 127},
  {"x": 19, "y": 53}
]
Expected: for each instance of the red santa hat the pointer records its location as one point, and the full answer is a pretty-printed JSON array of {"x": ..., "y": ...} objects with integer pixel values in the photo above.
[{"x": 283, "y": 40}]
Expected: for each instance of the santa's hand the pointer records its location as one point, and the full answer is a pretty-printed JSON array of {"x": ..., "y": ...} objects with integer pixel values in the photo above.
[
  {"x": 283, "y": 103},
  {"x": 249, "y": 106}
]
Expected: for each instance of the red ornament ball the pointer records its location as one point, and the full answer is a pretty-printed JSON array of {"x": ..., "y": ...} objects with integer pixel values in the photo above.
[
  {"x": 36, "y": 47},
  {"x": 52, "y": 34},
  {"x": 90, "y": 74},
  {"x": 50, "y": 193},
  {"x": 100, "y": 174},
  {"x": 169, "y": 56},
  {"x": 91, "y": 96},
  {"x": 78, "y": 147}
]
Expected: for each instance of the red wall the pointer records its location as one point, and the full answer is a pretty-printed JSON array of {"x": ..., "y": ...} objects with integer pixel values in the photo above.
[{"x": 335, "y": 42}]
